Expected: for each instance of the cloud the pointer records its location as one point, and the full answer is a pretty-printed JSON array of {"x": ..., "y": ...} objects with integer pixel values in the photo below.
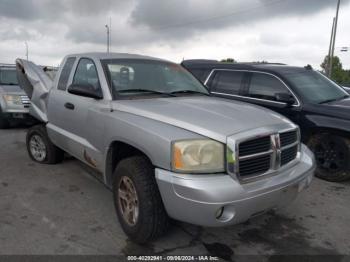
[
  {"x": 194, "y": 15},
  {"x": 246, "y": 30}
]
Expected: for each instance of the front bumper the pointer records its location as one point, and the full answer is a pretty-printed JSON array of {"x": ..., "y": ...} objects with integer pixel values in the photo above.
[
  {"x": 199, "y": 199},
  {"x": 16, "y": 115}
]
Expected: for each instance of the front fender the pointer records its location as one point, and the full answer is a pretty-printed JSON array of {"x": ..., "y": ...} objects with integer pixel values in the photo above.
[
  {"x": 151, "y": 137},
  {"x": 320, "y": 122}
]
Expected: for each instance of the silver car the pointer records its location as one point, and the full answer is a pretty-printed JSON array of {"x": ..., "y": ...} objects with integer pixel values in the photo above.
[
  {"x": 164, "y": 147},
  {"x": 14, "y": 103}
]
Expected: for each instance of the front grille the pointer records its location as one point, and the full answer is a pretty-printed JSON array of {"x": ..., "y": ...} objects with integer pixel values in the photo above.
[
  {"x": 255, "y": 156},
  {"x": 256, "y": 166},
  {"x": 268, "y": 153},
  {"x": 288, "y": 138},
  {"x": 289, "y": 155},
  {"x": 25, "y": 101},
  {"x": 258, "y": 145}
]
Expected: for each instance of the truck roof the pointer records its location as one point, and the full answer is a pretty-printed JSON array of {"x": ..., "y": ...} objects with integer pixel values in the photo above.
[
  {"x": 104, "y": 55},
  {"x": 273, "y": 67}
]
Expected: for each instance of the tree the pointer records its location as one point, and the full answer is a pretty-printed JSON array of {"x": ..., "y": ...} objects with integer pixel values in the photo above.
[
  {"x": 339, "y": 75},
  {"x": 228, "y": 60}
]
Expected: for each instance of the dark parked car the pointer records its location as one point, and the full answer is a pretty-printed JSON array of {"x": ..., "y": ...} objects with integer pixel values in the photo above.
[{"x": 318, "y": 105}]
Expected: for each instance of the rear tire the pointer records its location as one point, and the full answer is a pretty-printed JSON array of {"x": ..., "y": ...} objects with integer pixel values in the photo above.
[
  {"x": 332, "y": 154},
  {"x": 40, "y": 148},
  {"x": 150, "y": 220}
]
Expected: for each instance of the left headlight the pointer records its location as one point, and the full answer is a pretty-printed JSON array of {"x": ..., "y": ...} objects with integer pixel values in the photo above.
[
  {"x": 13, "y": 99},
  {"x": 198, "y": 156}
]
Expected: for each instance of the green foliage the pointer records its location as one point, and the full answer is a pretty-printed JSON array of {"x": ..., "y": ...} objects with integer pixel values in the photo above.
[
  {"x": 339, "y": 75},
  {"x": 228, "y": 60}
]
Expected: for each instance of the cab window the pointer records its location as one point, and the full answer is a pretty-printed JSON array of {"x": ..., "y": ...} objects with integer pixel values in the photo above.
[
  {"x": 66, "y": 70},
  {"x": 86, "y": 74},
  {"x": 200, "y": 74}
]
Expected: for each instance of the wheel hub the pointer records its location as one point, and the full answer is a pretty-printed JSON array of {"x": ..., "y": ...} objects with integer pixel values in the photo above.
[
  {"x": 330, "y": 156},
  {"x": 128, "y": 201},
  {"x": 37, "y": 148}
]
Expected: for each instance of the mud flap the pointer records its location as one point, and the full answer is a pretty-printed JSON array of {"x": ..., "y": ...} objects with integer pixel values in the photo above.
[{"x": 37, "y": 84}]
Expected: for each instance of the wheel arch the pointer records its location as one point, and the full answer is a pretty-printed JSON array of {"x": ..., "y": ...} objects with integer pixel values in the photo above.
[
  {"x": 117, "y": 151},
  {"x": 326, "y": 130}
]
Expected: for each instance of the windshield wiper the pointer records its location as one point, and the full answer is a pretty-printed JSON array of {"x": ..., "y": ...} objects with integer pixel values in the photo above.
[
  {"x": 140, "y": 90},
  {"x": 333, "y": 100},
  {"x": 188, "y": 92}
]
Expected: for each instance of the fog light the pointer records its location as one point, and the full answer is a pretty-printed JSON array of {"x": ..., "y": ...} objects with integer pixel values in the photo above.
[{"x": 219, "y": 212}]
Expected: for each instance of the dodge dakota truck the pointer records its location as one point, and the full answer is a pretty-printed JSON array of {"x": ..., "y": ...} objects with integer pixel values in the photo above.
[
  {"x": 164, "y": 147},
  {"x": 14, "y": 103}
]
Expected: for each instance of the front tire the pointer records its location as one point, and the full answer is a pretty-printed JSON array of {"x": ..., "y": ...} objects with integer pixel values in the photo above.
[
  {"x": 40, "y": 148},
  {"x": 137, "y": 200},
  {"x": 332, "y": 154},
  {"x": 4, "y": 123}
]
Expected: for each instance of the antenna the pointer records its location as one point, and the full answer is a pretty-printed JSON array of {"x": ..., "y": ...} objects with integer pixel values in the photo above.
[{"x": 27, "y": 53}]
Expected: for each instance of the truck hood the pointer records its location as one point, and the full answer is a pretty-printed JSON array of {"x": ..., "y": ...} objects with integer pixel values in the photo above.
[
  {"x": 36, "y": 84},
  {"x": 337, "y": 109},
  {"x": 208, "y": 116}
]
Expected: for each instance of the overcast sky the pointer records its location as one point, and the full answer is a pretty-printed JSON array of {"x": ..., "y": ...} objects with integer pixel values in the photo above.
[{"x": 295, "y": 32}]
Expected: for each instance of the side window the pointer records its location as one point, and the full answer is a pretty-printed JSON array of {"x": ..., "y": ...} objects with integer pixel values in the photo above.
[
  {"x": 86, "y": 74},
  {"x": 266, "y": 86},
  {"x": 200, "y": 74},
  {"x": 228, "y": 82},
  {"x": 67, "y": 68}
]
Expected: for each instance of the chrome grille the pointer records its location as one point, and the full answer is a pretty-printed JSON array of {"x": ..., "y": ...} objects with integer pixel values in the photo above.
[
  {"x": 260, "y": 164},
  {"x": 258, "y": 145},
  {"x": 262, "y": 155},
  {"x": 289, "y": 146},
  {"x": 288, "y": 155},
  {"x": 288, "y": 138},
  {"x": 25, "y": 101}
]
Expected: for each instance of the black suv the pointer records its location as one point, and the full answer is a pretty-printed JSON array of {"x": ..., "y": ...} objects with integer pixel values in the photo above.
[{"x": 318, "y": 105}]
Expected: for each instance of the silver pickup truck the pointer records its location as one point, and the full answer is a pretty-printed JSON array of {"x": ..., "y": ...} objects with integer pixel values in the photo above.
[
  {"x": 162, "y": 144},
  {"x": 14, "y": 103}
]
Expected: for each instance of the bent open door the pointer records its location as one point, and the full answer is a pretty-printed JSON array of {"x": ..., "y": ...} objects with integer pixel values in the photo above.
[{"x": 37, "y": 84}]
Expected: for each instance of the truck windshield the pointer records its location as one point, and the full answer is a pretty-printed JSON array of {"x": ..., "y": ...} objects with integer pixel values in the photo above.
[
  {"x": 315, "y": 87},
  {"x": 8, "y": 76},
  {"x": 149, "y": 77}
]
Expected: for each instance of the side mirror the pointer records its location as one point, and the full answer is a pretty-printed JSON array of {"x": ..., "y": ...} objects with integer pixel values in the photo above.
[
  {"x": 285, "y": 98},
  {"x": 85, "y": 90}
]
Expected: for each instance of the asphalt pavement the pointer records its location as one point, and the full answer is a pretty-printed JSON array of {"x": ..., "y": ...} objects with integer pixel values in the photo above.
[{"x": 62, "y": 209}]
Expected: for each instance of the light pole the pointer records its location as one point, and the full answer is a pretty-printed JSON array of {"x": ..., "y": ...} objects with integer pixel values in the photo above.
[
  {"x": 334, "y": 37},
  {"x": 107, "y": 27},
  {"x": 26, "y": 44},
  {"x": 330, "y": 50}
]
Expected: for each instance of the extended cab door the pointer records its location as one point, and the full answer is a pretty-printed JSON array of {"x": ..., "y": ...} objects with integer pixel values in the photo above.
[{"x": 76, "y": 122}]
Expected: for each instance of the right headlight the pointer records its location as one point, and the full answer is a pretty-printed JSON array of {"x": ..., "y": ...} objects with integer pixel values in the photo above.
[{"x": 198, "y": 156}]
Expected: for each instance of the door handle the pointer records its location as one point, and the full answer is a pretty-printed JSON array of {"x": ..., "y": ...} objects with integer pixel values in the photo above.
[{"x": 69, "y": 106}]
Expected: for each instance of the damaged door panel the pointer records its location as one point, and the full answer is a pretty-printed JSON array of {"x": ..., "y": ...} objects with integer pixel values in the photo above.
[{"x": 37, "y": 84}]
